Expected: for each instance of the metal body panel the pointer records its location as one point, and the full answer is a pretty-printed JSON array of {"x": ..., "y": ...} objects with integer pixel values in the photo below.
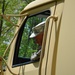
[
  {"x": 35, "y": 4},
  {"x": 61, "y": 49},
  {"x": 51, "y": 44},
  {"x": 66, "y": 46}
]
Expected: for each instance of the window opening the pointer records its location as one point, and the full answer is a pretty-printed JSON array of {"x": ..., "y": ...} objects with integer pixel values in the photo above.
[{"x": 27, "y": 45}]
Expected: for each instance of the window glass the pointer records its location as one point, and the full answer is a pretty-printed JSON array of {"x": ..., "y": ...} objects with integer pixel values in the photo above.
[{"x": 28, "y": 45}]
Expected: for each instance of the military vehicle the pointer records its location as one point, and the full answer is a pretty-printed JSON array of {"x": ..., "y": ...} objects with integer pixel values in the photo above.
[{"x": 57, "y": 52}]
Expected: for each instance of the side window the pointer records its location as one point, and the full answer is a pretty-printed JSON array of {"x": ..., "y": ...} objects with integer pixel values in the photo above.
[{"x": 29, "y": 40}]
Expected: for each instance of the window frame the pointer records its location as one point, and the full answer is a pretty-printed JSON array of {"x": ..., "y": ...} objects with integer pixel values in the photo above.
[{"x": 19, "y": 61}]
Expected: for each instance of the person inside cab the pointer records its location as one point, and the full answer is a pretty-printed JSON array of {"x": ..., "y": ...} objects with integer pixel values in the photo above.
[{"x": 37, "y": 35}]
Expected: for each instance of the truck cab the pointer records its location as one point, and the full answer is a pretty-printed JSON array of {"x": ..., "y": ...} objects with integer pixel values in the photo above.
[{"x": 57, "y": 50}]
